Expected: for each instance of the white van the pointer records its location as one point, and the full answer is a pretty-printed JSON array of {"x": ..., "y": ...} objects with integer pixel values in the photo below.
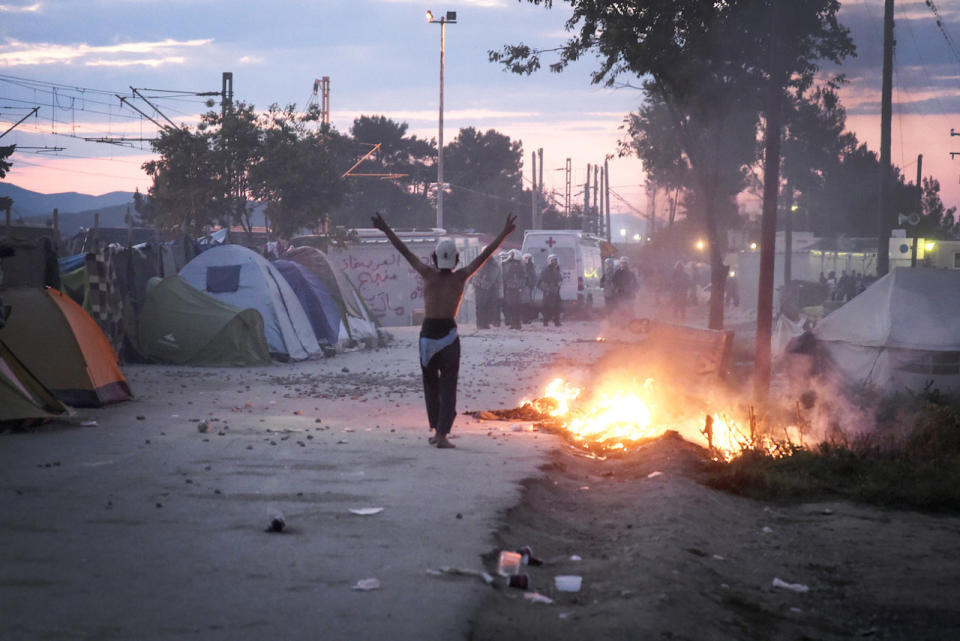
[{"x": 580, "y": 264}]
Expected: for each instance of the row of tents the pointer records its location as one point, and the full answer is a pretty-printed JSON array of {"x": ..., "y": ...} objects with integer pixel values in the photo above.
[
  {"x": 227, "y": 306},
  {"x": 230, "y": 305}
]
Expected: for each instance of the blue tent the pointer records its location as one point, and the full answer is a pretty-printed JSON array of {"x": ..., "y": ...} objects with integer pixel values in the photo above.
[
  {"x": 243, "y": 278},
  {"x": 70, "y": 263},
  {"x": 320, "y": 305}
]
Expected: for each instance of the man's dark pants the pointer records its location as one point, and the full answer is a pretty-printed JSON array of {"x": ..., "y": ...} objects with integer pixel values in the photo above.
[{"x": 440, "y": 387}]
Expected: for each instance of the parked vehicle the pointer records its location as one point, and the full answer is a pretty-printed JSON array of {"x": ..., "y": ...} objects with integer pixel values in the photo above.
[{"x": 580, "y": 264}]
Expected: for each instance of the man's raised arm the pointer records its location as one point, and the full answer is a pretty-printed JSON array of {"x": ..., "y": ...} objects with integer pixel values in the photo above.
[
  {"x": 415, "y": 262},
  {"x": 508, "y": 226}
]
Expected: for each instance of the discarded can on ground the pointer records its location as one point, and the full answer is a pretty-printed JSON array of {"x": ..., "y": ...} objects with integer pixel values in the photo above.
[{"x": 519, "y": 581}]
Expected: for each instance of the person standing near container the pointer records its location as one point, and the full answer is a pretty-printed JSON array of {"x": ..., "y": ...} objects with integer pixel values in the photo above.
[
  {"x": 624, "y": 288},
  {"x": 549, "y": 284},
  {"x": 439, "y": 341},
  {"x": 530, "y": 270},
  {"x": 486, "y": 289},
  {"x": 514, "y": 282}
]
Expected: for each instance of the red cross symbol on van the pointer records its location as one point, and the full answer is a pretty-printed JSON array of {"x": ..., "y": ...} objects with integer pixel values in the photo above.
[{"x": 551, "y": 242}]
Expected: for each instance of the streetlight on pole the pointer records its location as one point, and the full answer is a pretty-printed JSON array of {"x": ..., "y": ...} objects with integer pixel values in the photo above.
[{"x": 449, "y": 17}]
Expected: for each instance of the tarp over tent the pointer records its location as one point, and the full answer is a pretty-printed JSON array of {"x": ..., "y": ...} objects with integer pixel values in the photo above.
[
  {"x": 243, "y": 278},
  {"x": 902, "y": 331},
  {"x": 358, "y": 324},
  {"x": 317, "y": 301},
  {"x": 63, "y": 346},
  {"x": 182, "y": 325},
  {"x": 23, "y": 398}
]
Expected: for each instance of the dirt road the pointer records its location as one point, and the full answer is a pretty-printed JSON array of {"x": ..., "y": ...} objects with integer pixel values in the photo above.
[
  {"x": 664, "y": 557},
  {"x": 144, "y": 527}
]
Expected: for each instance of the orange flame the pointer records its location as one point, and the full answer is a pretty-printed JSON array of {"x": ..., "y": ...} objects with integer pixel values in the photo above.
[{"x": 616, "y": 419}]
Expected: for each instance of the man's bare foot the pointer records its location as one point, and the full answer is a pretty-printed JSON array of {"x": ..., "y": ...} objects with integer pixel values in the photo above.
[
  {"x": 444, "y": 443},
  {"x": 432, "y": 440}
]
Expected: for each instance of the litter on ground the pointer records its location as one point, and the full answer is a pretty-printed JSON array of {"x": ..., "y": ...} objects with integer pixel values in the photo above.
[{"x": 793, "y": 587}]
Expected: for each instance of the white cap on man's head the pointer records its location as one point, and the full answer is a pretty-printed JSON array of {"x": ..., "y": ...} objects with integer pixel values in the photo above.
[{"x": 446, "y": 253}]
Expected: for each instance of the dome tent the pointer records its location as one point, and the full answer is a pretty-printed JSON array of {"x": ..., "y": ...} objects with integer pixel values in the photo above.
[
  {"x": 182, "y": 325},
  {"x": 317, "y": 301},
  {"x": 902, "y": 331},
  {"x": 357, "y": 322},
  {"x": 24, "y": 400},
  {"x": 63, "y": 346},
  {"x": 243, "y": 278}
]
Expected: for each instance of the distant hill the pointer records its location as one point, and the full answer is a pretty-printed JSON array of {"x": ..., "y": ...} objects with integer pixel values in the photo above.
[
  {"x": 28, "y": 203},
  {"x": 76, "y": 211}
]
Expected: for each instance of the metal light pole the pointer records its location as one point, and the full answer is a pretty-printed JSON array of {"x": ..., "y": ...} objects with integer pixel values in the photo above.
[{"x": 451, "y": 17}]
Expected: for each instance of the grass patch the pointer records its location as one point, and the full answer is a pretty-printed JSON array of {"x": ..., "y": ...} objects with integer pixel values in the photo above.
[{"x": 912, "y": 460}]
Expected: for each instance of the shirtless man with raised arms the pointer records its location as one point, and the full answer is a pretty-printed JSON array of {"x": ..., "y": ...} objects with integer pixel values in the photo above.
[{"x": 439, "y": 341}]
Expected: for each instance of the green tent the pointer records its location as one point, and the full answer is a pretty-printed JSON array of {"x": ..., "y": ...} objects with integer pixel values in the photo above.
[
  {"x": 23, "y": 399},
  {"x": 184, "y": 326}
]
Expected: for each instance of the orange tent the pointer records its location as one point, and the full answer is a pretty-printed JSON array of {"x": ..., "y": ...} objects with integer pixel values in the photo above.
[{"x": 63, "y": 346}]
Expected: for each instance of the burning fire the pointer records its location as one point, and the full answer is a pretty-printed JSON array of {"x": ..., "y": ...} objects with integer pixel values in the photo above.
[{"x": 617, "y": 419}]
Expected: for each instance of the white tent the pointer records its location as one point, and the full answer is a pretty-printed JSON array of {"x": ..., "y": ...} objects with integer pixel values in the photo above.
[
  {"x": 903, "y": 331},
  {"x": 241, "y": 277}
]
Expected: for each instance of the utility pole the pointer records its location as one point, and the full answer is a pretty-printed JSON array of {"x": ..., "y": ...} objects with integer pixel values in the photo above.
[
  {"x": 768, "y": 221},
  {"x": 226, "y": 93},
  {"x": 325, "y": 99},
  {"x": 533, "y": 190},
  {"x": 596, "y": 190},
  {"x": 651, "y": 190},
  {"x": 886, "y": 112},
  {"x": 916, "y": 229},
  {"x": 322, "y": 86},
  {"x": 600, "y": 191},
  {"x": 568, "y": 187},
  {"x": 586, "y": 202},
  {"x": 606, "y": 200},
  {"x": 540, "y": 192}
]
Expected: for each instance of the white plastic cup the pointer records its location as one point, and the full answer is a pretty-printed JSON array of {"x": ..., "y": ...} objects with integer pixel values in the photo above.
[
  {"x": 568, "y": 582},
  {"x": 509, "y": 563}
]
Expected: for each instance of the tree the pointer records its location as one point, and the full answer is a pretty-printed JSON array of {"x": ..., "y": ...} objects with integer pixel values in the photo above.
[
  {"x": 236, "y": 150},
  {"x": 5, "y": 152},
  {"x": 653, "y": 137},
  {"x": 405, "y": 197},
  {"x": 706, "y": 62},
  {"x": 484, "y": 173},
  {"x": 5, "y": 165},
  {"x": 398, "y": 153},
  {"x": 186, "y": 181},
  {"x": 936, "y": 221},
  {"x": 299, "y": 174}
]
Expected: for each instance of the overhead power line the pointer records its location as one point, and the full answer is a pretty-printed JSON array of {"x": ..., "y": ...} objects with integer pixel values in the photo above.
[{"x": 943, "y": 30}]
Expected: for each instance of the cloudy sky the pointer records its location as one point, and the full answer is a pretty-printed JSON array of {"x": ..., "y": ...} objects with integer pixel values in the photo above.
[{"x": 73, "y": 57}]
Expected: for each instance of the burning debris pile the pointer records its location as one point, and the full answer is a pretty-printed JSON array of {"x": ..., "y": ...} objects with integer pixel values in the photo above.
[{"x": 619, "y": 417}]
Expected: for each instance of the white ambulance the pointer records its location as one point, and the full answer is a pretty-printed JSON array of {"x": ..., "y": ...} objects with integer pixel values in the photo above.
[{"x": 580, "y": 263}]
